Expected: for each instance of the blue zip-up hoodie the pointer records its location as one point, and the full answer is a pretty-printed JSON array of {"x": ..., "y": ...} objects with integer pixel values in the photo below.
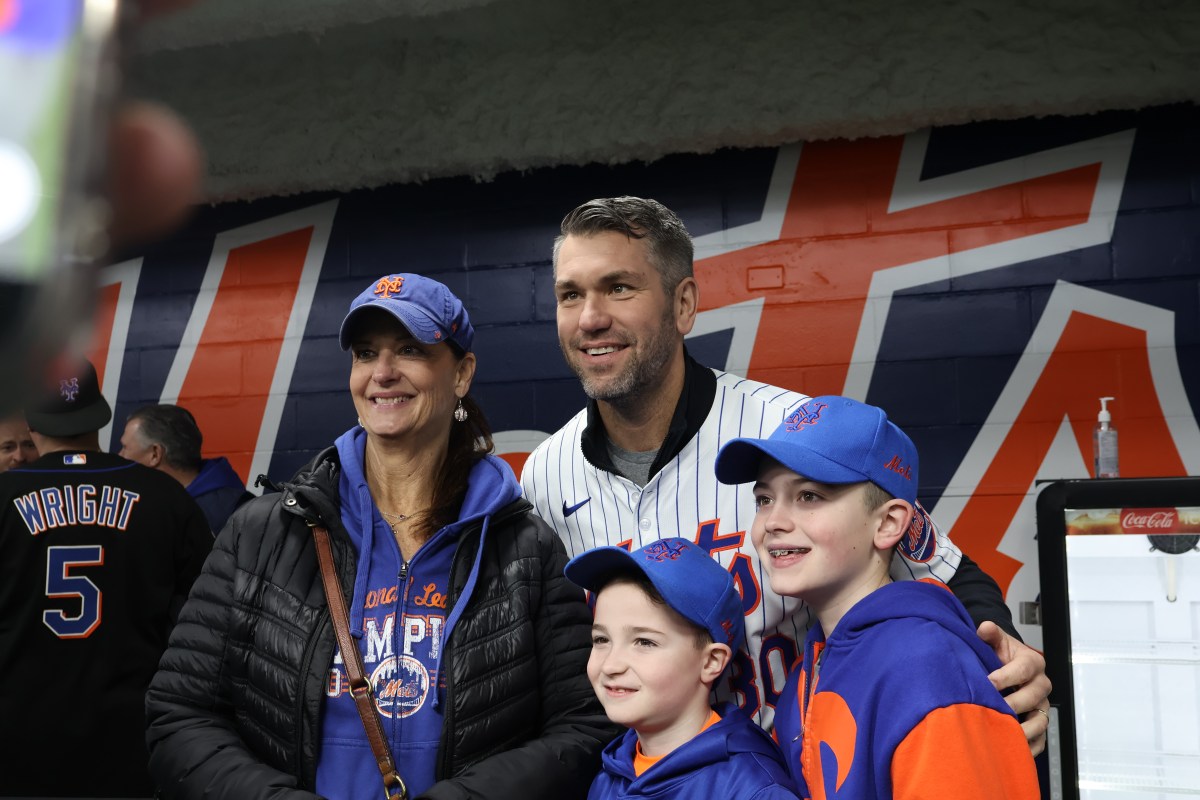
[
  {"x": 398, "y": 613},
  {"x": 901, "y": 705},
  {"x": 733, "y": 759},
  {"x": 218, "y": 490}
]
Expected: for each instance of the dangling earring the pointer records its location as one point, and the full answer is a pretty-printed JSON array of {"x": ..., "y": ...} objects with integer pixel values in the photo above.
[
  {"x": 360, "y": 422},
  {"x": 460, "y": 413}
]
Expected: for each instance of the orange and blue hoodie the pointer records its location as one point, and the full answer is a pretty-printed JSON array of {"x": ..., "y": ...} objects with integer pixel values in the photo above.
[
  {"x": 398, "y": 614},
  {"x": 733, "y": 759},
  {"x": 896, "y": 703}
]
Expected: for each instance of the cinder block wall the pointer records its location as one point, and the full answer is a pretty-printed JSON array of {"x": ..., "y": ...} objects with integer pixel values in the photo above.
[{"x": 985, "y": 284}]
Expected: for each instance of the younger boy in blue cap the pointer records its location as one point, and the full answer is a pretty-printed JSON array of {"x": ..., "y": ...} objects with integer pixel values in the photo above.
[
  {"x": 668, "y": 620},
  {"x": 892, "y": 698}
]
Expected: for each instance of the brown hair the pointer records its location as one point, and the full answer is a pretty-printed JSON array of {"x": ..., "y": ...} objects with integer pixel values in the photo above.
[
  {"x": 670, "y": 244},
  {"x": 875, "y": 496},
  {"x": 470, "y": 440}
]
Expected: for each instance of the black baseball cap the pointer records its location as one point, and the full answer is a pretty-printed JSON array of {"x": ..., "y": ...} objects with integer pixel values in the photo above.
[{"x": 70, "y": 404}]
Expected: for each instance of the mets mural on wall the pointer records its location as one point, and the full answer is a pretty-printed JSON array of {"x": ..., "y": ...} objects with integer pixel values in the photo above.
[{"x": 985, "y": 284}]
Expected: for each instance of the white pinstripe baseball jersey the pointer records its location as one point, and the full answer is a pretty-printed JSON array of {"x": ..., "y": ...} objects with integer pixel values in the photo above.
[{"x": 590, "y": 507}]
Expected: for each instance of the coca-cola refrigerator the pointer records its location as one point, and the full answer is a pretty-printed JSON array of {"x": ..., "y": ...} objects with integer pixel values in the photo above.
[{"x": 1120, "y": 607}]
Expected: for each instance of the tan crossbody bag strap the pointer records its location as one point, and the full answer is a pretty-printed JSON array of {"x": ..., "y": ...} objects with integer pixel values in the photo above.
[{"x": 360, "y": 687}]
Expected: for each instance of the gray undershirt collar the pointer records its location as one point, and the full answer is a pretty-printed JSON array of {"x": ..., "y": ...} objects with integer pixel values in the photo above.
[{"x": 632, "y": 464}]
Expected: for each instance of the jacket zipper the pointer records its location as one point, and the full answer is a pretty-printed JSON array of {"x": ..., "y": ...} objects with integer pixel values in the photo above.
[
  {"x": 398, "y": 729},
  {"x": 306, "y": 658},
  {"x": 445, "y": 766},
  {"x": 305, "y": 663},
  {"x": 810, "y": 688},
  {"x": 291, "y": 505}
]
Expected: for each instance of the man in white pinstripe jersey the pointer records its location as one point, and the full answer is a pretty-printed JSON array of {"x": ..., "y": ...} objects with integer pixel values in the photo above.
[{"x": 637, "y": 463}]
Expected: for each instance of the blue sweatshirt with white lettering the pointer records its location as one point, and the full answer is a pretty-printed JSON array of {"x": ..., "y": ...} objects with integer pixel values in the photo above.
[{"x": 398, "y": 613}]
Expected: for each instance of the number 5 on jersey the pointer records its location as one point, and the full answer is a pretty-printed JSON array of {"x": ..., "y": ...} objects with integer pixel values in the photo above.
[{"x": 60, "y": 583}]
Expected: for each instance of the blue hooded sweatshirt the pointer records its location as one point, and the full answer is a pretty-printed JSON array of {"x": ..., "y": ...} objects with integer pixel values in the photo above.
[
  {"x": 218, "y": 490},
  {"x": 900, "y": 705},
  {"x": 733, "y": 760},
  {"x": 398, "y": 613}
]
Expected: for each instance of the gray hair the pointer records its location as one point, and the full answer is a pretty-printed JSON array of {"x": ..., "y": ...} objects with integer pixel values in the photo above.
[
  {"x": 669, "y": 242},
  {"x": 175, "y": 430}
]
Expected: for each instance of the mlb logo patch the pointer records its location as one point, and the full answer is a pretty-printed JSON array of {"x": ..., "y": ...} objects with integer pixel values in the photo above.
[{"x": 75, "y": 459}]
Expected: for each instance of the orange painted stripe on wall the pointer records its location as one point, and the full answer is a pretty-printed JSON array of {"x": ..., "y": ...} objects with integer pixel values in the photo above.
[
  {"x": 838, "y": 232},
  {"x": 227, "y": 386},
  {"x": 102, "y": 328},
  {"x": 1094, "y": 357}
]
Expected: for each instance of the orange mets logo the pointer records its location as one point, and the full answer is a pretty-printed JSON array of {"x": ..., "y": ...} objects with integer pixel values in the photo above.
[
  {"x": 832, "y": 746},
  {"x": 389, "y": 286},
  {"x": 803, "y": 416}
]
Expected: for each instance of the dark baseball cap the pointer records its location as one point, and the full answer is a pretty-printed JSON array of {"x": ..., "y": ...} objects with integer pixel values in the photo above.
[{"x": 70, "y": 404}]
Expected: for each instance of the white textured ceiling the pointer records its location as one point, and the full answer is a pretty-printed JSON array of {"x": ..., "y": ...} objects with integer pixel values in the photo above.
[{"x": 301, "y": 95}]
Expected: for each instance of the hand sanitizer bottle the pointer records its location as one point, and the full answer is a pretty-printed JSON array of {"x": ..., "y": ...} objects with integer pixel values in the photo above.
[{"x": 1104, "y": 443}]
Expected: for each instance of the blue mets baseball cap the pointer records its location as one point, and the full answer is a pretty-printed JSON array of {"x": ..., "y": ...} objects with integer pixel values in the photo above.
[
  {"x": 832, "y": 440},
  {"x": 686, "y": 576},
  {"x": 427, "y": 308}
]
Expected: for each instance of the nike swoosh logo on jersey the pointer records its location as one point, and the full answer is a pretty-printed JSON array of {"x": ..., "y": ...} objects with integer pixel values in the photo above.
[{"x": 569, "y": 510}]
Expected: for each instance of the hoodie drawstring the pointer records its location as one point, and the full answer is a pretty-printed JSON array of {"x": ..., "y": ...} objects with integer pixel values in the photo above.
[
  {"x": 365, "y": 505},
  {"x": 460, "y": 605}
]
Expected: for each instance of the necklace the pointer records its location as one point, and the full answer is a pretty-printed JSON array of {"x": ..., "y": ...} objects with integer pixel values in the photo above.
[{"x": 398, "y": 517}]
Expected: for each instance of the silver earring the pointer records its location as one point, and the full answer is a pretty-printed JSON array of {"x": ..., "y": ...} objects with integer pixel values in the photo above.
[
  {"x": 460, "y": 413},
  {"x": 360, "y": 422}
]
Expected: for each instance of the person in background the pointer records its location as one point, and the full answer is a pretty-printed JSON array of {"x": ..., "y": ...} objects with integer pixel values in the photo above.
[
  {"x": 892, "y": 698},
  {"x": 474, "y": 643},
  {"x": 637, "y": 462},
  {"x": 166, "y": 437},
  {"x": 98, "y": 555},
  {"x": 16, "y": 445},
  {"x": 668, "y": 620}
]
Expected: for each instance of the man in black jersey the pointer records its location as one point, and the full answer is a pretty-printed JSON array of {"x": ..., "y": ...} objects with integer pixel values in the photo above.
[{"x": 97, "y": 554}]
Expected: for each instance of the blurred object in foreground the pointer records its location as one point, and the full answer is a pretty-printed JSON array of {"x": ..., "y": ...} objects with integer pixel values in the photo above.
[{"x": 58, "y": 78}]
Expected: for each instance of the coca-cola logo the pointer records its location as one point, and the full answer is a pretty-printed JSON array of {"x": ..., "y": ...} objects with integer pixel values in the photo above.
[{"x": 1136, "y": 520}]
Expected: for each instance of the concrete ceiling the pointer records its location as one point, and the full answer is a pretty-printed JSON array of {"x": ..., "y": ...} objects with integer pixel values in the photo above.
[{"x": 301, "y": 95}]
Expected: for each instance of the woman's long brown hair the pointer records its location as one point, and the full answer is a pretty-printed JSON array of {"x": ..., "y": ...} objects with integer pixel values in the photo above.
[{"x": 470, "y": 440}]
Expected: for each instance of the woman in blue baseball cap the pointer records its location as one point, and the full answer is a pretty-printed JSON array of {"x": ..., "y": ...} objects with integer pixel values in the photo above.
[{"x": 472, "y": 644}]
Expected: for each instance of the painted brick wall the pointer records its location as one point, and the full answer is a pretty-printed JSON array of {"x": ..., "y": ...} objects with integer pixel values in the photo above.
[{"x": 985, "y": 284}]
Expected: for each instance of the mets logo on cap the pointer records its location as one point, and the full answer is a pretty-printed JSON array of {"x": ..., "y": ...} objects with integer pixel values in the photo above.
[
  {"x": 389, "y": 285},
  {"x": 807, "y": 414},
  {"x": 663, "y": 551},
  {"x": 69, "y": 389}
]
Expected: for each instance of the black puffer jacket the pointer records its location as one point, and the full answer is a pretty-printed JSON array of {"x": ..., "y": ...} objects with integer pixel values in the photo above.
[{"x": 234, "y": 709}]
